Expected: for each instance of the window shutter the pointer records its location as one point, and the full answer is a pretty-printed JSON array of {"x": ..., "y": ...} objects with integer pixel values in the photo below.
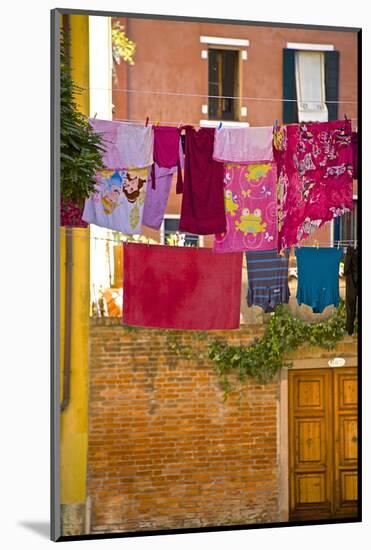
[
  {"x": 332, "y": 83},
  {"x": 229, "y": 78},
  {"x": 213, "y": 83},
  {"x": 289, "y": 108}
]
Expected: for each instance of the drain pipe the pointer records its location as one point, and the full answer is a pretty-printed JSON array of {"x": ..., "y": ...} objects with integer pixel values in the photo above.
[
  {"x": 68, "y": 271},
  {"x": 67, "y": 321},
  {"x": 87, "y": 526}
]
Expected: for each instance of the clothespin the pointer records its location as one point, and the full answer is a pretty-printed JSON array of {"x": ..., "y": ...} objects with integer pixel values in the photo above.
[
  {"x": 147, "y": 120},
  {"x": 355, "y": 245},
  {"x": 345, "y": 116},
  {"x": 338, "y": 245},
  {"x": 275, "y": 123},
  {"x": 157, "y": 122},
  {"x": 95, "y": 115},
  {"x": 220, "y": 125},
  {"x": 180, "y": 125}
]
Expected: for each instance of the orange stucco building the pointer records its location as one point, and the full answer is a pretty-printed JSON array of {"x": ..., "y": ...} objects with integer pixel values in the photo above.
[{"x": 171, "y": 77}]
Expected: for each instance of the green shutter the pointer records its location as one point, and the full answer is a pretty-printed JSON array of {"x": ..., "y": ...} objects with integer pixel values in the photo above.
[
  {"x": 332, "y": 83},
  {"x": 289, "y": 108},
  {"x": 213, "y": 83}
]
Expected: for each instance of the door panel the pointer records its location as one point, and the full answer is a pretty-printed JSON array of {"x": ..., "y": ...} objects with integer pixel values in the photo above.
[
  {"x": 346, "y": 389},
  {"x": 310, "y": 394},
  {"x": 310, "y": 438},
  {"x": 323, "y": 443},
  {"x": 311, "y": 488},
  {"x": 346, "y": 442},
  {"x": 310, "y": 411}
]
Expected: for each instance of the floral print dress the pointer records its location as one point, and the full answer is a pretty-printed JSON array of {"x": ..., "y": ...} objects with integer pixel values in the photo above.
[{"x": 315, "y": 177}]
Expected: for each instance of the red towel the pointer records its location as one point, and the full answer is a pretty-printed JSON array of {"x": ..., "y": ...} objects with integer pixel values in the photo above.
[
  {"x": 181, "y": 287},
  {"x": 203, "y": 211}
]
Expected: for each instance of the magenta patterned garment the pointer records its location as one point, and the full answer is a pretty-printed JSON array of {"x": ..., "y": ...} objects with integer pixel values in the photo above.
[
  {"x": 250, "y": 207},
  {"x": 315, "y": 177},
  {"x": 71, "y": 214}
]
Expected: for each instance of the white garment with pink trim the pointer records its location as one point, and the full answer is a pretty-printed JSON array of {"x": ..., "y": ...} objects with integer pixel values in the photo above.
[
  {"x": 127, "y": 145},
  {"x": 243, "y": 145}
]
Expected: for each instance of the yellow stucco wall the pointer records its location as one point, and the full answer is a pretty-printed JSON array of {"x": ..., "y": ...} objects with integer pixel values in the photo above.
[{"x": 74, "y": 419}]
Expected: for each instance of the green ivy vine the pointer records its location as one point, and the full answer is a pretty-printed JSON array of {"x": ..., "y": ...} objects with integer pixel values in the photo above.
[{"x": 264, "y": 357}]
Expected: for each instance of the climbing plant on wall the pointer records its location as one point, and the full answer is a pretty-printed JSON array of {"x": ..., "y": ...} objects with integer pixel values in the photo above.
[{"x": 264, "y": 357}]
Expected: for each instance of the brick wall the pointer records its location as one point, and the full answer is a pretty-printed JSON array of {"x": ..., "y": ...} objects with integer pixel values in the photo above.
[{"x": 165, "y": 451}]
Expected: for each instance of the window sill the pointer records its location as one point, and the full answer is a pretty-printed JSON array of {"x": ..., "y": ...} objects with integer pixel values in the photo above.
[{"x": 225, "y": 123}]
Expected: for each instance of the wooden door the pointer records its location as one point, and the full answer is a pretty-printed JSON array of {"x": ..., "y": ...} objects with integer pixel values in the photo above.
[
  {"x": 323, "y": 443},
  {"x": 346, "y": 442}
]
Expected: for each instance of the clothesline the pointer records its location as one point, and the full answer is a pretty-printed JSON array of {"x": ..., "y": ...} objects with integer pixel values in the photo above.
[
  {"x": 117, "y": 241},
  {"x": 177, "y": 123},
  {"x": 255, "y": 208},
  {"x": 186, "y": 94},
  {"x": 134, "y": 204}
]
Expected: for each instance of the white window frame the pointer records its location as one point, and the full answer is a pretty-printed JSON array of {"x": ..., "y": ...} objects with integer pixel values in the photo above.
[
  {"x": 240, "y": 45},
  {"x": 225, "y": 41},
  {"x": 176, "y": 217},
  {"x": 307, "y": 46},
  {"x": 226, "y": 123},
  {"x": 301, "y": 103}
]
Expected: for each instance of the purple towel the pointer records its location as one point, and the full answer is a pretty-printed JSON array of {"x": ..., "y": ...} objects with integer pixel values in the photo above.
[{"x": 156, "y": 199}]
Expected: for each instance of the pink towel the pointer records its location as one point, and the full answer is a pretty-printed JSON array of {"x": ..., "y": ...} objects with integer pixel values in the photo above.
[
  {"x": 166, "y": 152},
  {"x": 181, "y": 287},
  {"x": 251, "y": 208}
]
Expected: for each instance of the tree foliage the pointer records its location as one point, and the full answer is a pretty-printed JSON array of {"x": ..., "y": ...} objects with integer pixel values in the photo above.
[{"x": 81, "y": 148}]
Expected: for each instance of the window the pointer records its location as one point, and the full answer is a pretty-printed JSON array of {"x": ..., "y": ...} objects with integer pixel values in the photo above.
[
  {"x": 170, "y": 229},
  {"x": 223, "y": 81},
  {"x": 310, "y": 86},
  {"x": 316, "y": 73},
  {"x": 345, "y": 226}
]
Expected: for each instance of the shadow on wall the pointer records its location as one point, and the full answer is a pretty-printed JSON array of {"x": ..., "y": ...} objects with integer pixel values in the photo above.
[{"x": 255, "y": 314}]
